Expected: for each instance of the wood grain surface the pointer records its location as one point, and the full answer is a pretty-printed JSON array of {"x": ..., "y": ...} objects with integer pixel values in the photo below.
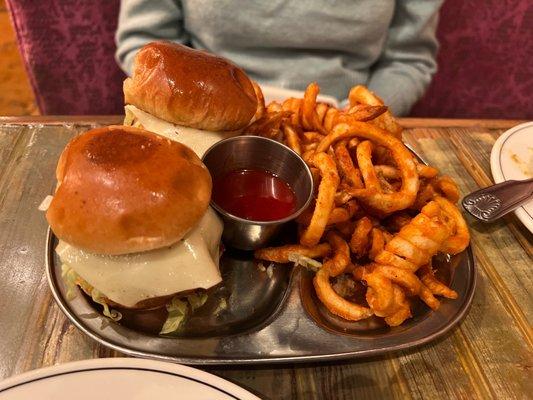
[{"x": 489, "y": 355}]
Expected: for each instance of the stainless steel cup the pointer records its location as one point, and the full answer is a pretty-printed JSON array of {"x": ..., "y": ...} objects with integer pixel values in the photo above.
[{"x": 256, "y": 152}]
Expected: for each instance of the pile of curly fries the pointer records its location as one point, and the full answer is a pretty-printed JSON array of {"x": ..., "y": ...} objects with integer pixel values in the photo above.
[{"x": 378, "y": 215}]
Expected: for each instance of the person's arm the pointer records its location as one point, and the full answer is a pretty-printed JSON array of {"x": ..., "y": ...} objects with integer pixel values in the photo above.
[
  {"x": 143, "y": 21},
  {"x": 407, "y": 63}
]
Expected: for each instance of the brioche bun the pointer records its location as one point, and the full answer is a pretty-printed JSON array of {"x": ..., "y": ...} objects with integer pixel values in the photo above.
[
  {"x": 190, "y": 87},
  {"x": 124, "y": 190}
]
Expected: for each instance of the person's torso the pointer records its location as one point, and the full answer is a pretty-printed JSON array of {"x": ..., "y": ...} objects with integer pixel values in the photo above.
[{"x": 290, "y": 43}]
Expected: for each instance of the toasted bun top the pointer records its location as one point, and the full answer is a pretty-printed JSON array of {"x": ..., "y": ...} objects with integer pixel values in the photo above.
[
  {"x": 190, "y": 87},
  {"x": 124, "y": 190}
]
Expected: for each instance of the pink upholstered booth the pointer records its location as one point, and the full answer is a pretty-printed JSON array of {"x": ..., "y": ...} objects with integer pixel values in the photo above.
[
  {"x": 485, "y": 68},
  {"x": 68, "y": 47}
]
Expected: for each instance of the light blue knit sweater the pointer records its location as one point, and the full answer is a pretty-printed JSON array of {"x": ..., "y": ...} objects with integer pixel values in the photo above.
[{"x": 388, "y": 45}]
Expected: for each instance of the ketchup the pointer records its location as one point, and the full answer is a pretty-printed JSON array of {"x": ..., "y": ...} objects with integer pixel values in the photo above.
[{"x": 254, "y": 195}]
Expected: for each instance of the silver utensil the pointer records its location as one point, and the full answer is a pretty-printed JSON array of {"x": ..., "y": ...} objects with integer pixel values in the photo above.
[
  {"x": 256, "y": 152},
  {"x": 495, "y": 201}
]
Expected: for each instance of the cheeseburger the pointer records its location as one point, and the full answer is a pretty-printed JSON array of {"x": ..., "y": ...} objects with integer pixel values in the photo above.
[
  {"x": 131, "y": 209},
  {"x": 188, "y": 95}
]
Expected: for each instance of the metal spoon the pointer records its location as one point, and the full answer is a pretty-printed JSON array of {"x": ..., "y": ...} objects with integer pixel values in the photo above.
[{"x": 495, "y": 201}]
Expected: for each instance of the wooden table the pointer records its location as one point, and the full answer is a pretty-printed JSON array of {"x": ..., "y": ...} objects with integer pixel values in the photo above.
[{"x": 488, "y": 356}]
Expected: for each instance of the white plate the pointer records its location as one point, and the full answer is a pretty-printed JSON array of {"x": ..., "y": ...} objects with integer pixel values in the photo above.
[
  {"x": 512, "y": 159},
  {"x": 120, "y": 378}
]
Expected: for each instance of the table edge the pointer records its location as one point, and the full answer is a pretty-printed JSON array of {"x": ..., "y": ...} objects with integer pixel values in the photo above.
[{"x": 405, "y": 122}]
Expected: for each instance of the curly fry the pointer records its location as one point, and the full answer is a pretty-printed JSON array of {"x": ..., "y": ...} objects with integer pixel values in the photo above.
[
  {"x": 365, "y": 112},
  {"x": 346, "y": 168},
  {"x": 405, "y": 279},
  {"x": 378, "y": 243},
  {"x": 330, "y": 119},
  {"x": 461, "y": 237},
  {"x": 341, "y": 255},
  {"x": 386, "y": 203},
  {"x": 359, "y": 239},
  {"x": 425, "y": 171},
  {"x": 445, "y": 185},
  {"x": 335, "y": 303},
  {"x": 308, "y": 114},
  {"x": 321, "y": 110},
  {"x": 402, "y": 311},
  {"x": 364, "y": 160},
  {"x": 274, "y": 107},
  {"x": 380, "y": 294},
  {"x": 281, "y": 254},
  {"x": 360, "y": 94},
  {"x": 311, "y": 137},
  {"x": 293, "y": 105},
  {"x": 433, "y": 284},
  {"x": 325, "y": 199},
  {"x": 293, "y": 141}
]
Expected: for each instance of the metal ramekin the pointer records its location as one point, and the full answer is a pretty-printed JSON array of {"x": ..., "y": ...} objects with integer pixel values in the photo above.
[{"x": 256, "y": 152}]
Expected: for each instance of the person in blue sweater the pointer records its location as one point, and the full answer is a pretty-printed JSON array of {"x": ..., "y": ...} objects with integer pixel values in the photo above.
[{"x": 388, "y": 45}]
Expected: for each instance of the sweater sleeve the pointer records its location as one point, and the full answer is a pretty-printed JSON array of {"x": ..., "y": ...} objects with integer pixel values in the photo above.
[
  {"x": 143, "y": 21},
  {"x": 407, "y": 63}
]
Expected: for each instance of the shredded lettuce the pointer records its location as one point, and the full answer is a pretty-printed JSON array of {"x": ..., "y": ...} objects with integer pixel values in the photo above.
[
  {"x": 197, "y": 300},
  {"x": 71, "y": 279},
  {"x": 222, "y": 305},
  {"x": 309, "y": 263},
  {"x": 131, "y": 120},
  {"x": 98, "y": 297},
  {"x": 179, "y": 308},
  {"x": 177, "y": 311}
]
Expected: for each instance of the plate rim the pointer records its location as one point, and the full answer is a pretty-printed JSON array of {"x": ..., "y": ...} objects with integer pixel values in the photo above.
[
  {"x": 216, "y": 382},
  {"x": 211, "y": 361},
  {"x": 497, "y": 170}
]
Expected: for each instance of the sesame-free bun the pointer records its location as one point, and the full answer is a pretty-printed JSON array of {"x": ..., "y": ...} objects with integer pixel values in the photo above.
[
  {"x": 125, "y": 190},
  {"x": 190, "y": 87}
]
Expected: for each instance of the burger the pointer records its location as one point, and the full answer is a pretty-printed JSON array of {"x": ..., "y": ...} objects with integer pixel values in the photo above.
[
  {"x": 188, "y": 95},
  {"x": 131, "y": 209},
  {"x": 132, "y": 218}
]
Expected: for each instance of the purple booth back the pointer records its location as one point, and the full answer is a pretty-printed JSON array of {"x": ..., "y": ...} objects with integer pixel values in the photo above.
[
  {"x": 485, "y": 70},
  {"x": 68, "y": 48}
]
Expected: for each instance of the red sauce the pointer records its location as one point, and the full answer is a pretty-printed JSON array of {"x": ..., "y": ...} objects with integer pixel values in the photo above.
[{"x": 254, "y": 195}]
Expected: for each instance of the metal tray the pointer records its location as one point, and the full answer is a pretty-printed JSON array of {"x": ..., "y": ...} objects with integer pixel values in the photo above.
[{"x": 273, "y": 319}]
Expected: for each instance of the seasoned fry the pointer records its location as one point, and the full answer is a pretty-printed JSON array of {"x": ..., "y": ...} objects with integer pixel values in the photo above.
[
  {"x": 366, "y": 112},
  {"x": 378, "y": 243},
  {"x": 308, "y": 114},
  {"x": 461, "y": 237},
  {"x": 325, "y": 200},
  {"x": 359, "y": 239},
  {"x": 281, "y": 254},
  {"x": 374, "y": 203},
  {"x": 364, "y": 159},
  {"x": 337, "y": 264},
  {"x": 335, "y": 303},
  {"x": 312, "y": 137},
  {"x": 433, "y": 284},
  {"x": 360, "y": 94},
  {"x": 293, "y": 141},
  {"x": 445, "y": 185},
  {"x": 348, "y": 172},
  {"x": 402, "y": 311},
  {"x": 384, "y": 203}
]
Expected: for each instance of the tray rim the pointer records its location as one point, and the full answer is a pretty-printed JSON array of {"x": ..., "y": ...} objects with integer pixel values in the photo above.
[{"x": 207, "y": 361}]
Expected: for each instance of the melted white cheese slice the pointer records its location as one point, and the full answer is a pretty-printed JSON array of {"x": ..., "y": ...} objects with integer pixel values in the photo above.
[
  {"x": 198, "y": 140},
  {"x": 189, "y": 264}
]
